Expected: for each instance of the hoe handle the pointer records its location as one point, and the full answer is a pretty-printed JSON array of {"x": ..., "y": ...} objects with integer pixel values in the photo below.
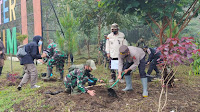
[{"x": 116, "y": 81}]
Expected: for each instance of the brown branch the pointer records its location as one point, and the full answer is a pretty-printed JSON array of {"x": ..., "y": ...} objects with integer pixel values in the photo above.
[
  {"x": 165, "y": 37},
  {"x": 167, "y": 88},
  {"x": 187, "y": 21},
  {"x": 173, "y": 13},
  {"x": 170, "y": 27},
  {"x": 154, "y": 21},
  {"x": 192, "y": 16},
  {"x": 193, "y": 4},
  {"x": 165, "y": 26},
  {"x": 152, "y": 29}
]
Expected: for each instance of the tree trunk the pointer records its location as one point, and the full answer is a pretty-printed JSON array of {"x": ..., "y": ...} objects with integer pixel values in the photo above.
[
  {"x": 168, "y": 76},
  {"x": 160, "y": 36},
  {"x": 99, "y": 36},
  {"x": 88, "y": 47},
  {"x": 79, "y": 50},
  {"x": 69, "y": 60}
]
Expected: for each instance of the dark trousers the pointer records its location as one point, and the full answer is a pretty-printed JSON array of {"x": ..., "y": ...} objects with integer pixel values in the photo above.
[
  {"x": 141, "y": 67},
  {"x": 1, "y": 70},
  {"x": 152, "y": 67}
]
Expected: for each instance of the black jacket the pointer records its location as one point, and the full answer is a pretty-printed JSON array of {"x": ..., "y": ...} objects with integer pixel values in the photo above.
[
  {"x": 153, "y": 55},
  {"x": 32, "y": 51}
]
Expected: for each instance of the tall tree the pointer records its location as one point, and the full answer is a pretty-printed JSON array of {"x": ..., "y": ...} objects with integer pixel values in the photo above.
[
  {"x": 68, "y": 44},
  {"x": 161, "y": 13},
  {"x": 93, "y": 15}
]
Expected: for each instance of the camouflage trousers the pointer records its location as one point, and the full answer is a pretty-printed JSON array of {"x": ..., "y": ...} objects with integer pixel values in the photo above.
[{"x": 58, "y": 63}]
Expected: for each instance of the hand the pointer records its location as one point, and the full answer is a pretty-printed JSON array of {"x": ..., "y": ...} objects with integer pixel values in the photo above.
[
  {"x": 91, "y": 92},
  {"x": 101, "y": 81},
  {"x": 41, "y": 61},
  {"x": 1, "y": 52},
  {"x": 99, "y": 51},
  {"x": 43, "y": 55},
  {"x": 126, "y": 71},
  {"x": 108, "y": 55},
  {"x": 148, "y": 63},
  {"x": 119, "y": 77}
]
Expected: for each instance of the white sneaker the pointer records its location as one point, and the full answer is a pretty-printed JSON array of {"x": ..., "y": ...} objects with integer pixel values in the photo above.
[
  {"x": 122, "y": 81},
  {"x": 35, "y": 86}
]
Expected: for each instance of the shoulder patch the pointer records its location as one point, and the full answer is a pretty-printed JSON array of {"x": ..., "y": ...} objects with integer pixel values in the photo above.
[{"x": 134, "y": 57}]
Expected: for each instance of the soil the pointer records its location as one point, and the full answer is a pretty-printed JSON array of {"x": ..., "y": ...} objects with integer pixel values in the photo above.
[{"x": 181, "y": 98}]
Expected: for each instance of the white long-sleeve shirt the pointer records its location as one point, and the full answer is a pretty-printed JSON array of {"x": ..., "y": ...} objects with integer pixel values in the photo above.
[
  {"x": 136, "y": 54},
  {"x": 114, "y": 42}
]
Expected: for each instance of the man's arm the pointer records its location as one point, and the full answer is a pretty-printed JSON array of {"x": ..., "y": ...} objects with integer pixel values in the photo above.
[
  {"x": 135, "y": 64},
  {"x": 34, "y": 53},
  {"x": 151, "y": 55},
  {"x": 125, "y": 42}
]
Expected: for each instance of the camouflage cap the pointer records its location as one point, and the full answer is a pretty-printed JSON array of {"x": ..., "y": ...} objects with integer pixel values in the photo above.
[
  {"x": 123, "y": 50},
  {"x": 91, "y": 64},
  {"x": 114, "y": 26}
]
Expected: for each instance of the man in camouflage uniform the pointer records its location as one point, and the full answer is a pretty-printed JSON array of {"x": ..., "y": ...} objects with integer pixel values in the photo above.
[
  {"x": 102, "y": 48},
  {"x": 54, "y": 57},
  {"x": 141, "y": 42},
  {"x": 76, "y": 79}
]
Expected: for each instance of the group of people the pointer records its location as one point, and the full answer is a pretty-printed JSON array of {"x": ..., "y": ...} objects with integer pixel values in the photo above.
[{"x": 115, "y": 48}]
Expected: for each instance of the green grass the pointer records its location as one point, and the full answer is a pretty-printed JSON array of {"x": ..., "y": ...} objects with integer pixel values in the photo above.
[{"x": 9, "y": 96}]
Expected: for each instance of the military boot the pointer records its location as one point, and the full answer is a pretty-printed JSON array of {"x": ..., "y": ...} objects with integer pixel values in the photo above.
[{"x": 48, "y": 75}]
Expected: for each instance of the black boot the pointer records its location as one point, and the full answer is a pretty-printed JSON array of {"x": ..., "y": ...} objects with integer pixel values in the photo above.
[{"x": 47, "y": 75}]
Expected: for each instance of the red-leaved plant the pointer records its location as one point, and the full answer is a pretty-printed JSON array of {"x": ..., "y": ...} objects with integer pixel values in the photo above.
[
  {"x": 177, "y": 51},
  {"x": 174, "y": 51}
]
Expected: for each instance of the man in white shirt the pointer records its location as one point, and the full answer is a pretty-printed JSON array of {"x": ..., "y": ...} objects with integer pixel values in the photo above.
[{"x": 114, "y": 41}]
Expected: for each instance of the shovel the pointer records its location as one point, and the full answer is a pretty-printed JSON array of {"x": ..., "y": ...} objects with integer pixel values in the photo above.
[{"x": 111, "y": 92}]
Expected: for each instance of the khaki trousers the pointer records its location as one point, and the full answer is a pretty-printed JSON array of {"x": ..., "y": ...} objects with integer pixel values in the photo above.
[{"x": 30, "y": 73}]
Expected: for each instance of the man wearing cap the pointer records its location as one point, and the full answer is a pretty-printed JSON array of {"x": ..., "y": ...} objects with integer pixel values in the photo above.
[
  {"x": 76, "y": 79},
  {"x": 129, "y": 59},
  {"x": 152, "y": 60},
  {"x": 114, "y": 40},
  {"x": 53, "y": 56},
  {"x": 141, "y": 42}
]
